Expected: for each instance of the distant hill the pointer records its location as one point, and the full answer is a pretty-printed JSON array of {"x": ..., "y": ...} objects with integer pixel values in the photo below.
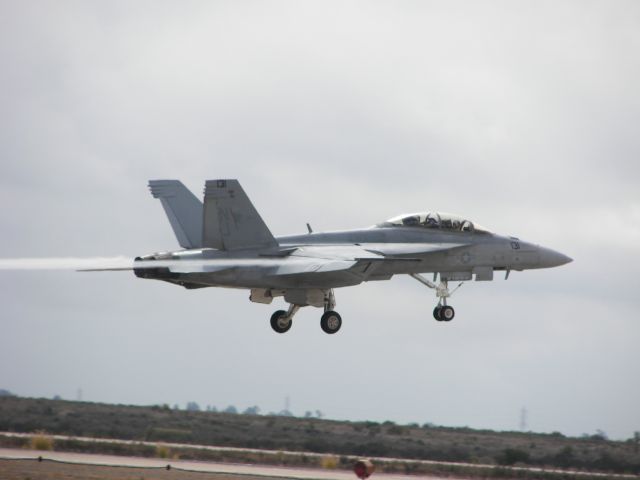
[
  {"x": 427, "y": 442},
  {"x": 5, "y": 393}
]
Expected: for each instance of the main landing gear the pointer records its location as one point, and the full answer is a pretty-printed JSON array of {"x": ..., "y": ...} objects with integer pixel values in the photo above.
[
  {"x": 281, "y": 321},
  {"x": 330, "y": 322},
  {"x": 442, "y": 312}
]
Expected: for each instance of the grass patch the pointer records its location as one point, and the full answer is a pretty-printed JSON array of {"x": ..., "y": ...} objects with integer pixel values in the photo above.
[
  {"x": 162, "y": 451},
  {"x": 329, "y": 462},
  {"x": 41, "y": 441}
]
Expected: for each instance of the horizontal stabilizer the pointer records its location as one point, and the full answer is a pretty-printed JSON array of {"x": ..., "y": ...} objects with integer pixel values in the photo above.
[
  {"x": 119, "y": 269},
  {"x": 230, "y": 220},
  {"x": 183, "y": 209}
]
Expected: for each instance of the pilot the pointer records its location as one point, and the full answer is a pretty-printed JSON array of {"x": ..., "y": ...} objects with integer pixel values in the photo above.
[
  {"x": 411, "y": 221},
  {"x": 431, "y": 222}
]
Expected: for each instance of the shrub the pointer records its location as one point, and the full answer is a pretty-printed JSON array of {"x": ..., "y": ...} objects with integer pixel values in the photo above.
[
  {"x": 329, "y": 462},
  {"x": 162, "y": 451},
  {"x": 41, "y": 441},
  {"x": 511, "y": 456},
  {"x": 395, "y": 430}
]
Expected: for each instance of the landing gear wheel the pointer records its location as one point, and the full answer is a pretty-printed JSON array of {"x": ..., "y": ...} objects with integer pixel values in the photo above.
[
  {"x": 447, "y": 313},
  {"x": 436, "y": 313},
  {"x": 330, "y": 322},
  {"x": 280, "y": 322}
]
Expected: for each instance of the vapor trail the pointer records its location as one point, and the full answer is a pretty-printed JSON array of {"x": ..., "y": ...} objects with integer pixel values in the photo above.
[{"x": 65, "y": 263}]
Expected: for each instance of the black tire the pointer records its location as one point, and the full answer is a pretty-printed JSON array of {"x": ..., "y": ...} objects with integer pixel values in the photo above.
[
  {"x": 447, "y": 313},
  {"x": 436, "y": 313},
  {"x": 330, "y": 322},
  {"x": 277, "y": 322}
]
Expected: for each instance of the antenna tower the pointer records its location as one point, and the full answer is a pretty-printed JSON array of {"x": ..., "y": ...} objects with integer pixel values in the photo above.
[{"x": 523, "y": 419}]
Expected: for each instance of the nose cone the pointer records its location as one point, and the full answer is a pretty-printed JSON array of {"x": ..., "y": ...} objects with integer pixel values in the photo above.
[{"x": 550, "y": 258}]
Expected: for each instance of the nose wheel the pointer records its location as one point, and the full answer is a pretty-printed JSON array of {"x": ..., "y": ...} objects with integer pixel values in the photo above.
[{"x": 444, "y": 313}]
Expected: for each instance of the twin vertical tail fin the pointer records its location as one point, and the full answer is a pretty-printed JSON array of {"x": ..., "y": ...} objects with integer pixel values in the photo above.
[
  {"x": 183, "y": 209},
  {"x": 230, "y": 220},
  {"x": 227, "y": 220}
]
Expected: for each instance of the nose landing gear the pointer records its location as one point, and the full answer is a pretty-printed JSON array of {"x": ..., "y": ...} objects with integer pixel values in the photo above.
[{"x": 442, "y": 312}]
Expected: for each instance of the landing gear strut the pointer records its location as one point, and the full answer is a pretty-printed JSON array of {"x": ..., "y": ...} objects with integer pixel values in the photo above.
[
  {"x": 442, "y": 312},
  {"x": 331, "y": 321}
]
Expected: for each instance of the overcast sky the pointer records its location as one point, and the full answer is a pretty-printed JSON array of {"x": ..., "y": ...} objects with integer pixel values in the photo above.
[{"x": 522, "y": 116}]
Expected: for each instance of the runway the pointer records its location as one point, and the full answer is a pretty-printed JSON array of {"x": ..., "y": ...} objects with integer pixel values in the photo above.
[{"x": 193, "y": 466}]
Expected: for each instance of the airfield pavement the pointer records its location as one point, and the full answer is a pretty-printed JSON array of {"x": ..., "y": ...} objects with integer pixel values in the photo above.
[
  {"x": 32, "y": 469},
  {"x": 18, "y": 464}
]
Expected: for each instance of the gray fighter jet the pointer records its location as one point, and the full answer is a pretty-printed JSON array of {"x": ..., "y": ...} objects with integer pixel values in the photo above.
[{"x": 227, "y": 244}]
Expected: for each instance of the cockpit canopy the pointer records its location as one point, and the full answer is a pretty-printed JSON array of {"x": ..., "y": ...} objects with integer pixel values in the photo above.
[{"x": 439, "y": 220}]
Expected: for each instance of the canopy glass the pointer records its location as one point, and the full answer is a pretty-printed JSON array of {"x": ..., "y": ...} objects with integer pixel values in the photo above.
[{"x": 439, "y": 220}]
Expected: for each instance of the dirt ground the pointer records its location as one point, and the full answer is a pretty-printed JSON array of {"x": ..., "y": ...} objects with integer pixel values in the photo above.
[{"x": 49, "y": 470}]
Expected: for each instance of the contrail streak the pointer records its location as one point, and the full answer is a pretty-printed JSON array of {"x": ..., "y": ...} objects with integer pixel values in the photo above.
[{"x": 65, "y": 263}]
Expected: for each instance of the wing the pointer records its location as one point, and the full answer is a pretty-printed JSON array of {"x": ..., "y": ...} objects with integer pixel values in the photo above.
[
  {"x": 399, "y": 249},
  {"x": 314, "y": 258},
  {"x": 336, "y": 252},
  {"x": 322, "y": 259}
]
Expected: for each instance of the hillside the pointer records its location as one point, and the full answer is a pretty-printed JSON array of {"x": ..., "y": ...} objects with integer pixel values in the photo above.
[{"x": 387, "y": 439}]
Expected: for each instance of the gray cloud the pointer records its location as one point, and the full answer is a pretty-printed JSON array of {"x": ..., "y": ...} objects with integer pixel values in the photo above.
[{"x": 520, "y": 115}]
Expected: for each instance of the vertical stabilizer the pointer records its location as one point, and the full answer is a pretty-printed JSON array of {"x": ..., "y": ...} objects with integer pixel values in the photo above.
[
  {"x": 230, "y": 220},
  {"x": 183, "y": 209}
]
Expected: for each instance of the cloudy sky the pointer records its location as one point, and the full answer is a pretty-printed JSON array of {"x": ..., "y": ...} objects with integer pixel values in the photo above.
[{"x": 522, "y": 116}]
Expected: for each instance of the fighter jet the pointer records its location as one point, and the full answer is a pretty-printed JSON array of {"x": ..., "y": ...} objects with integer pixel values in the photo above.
[{"x": 225, "y": 243}]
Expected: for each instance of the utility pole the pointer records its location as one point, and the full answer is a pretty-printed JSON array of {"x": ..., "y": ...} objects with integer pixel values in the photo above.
[{"x": 523, "y": 419}]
